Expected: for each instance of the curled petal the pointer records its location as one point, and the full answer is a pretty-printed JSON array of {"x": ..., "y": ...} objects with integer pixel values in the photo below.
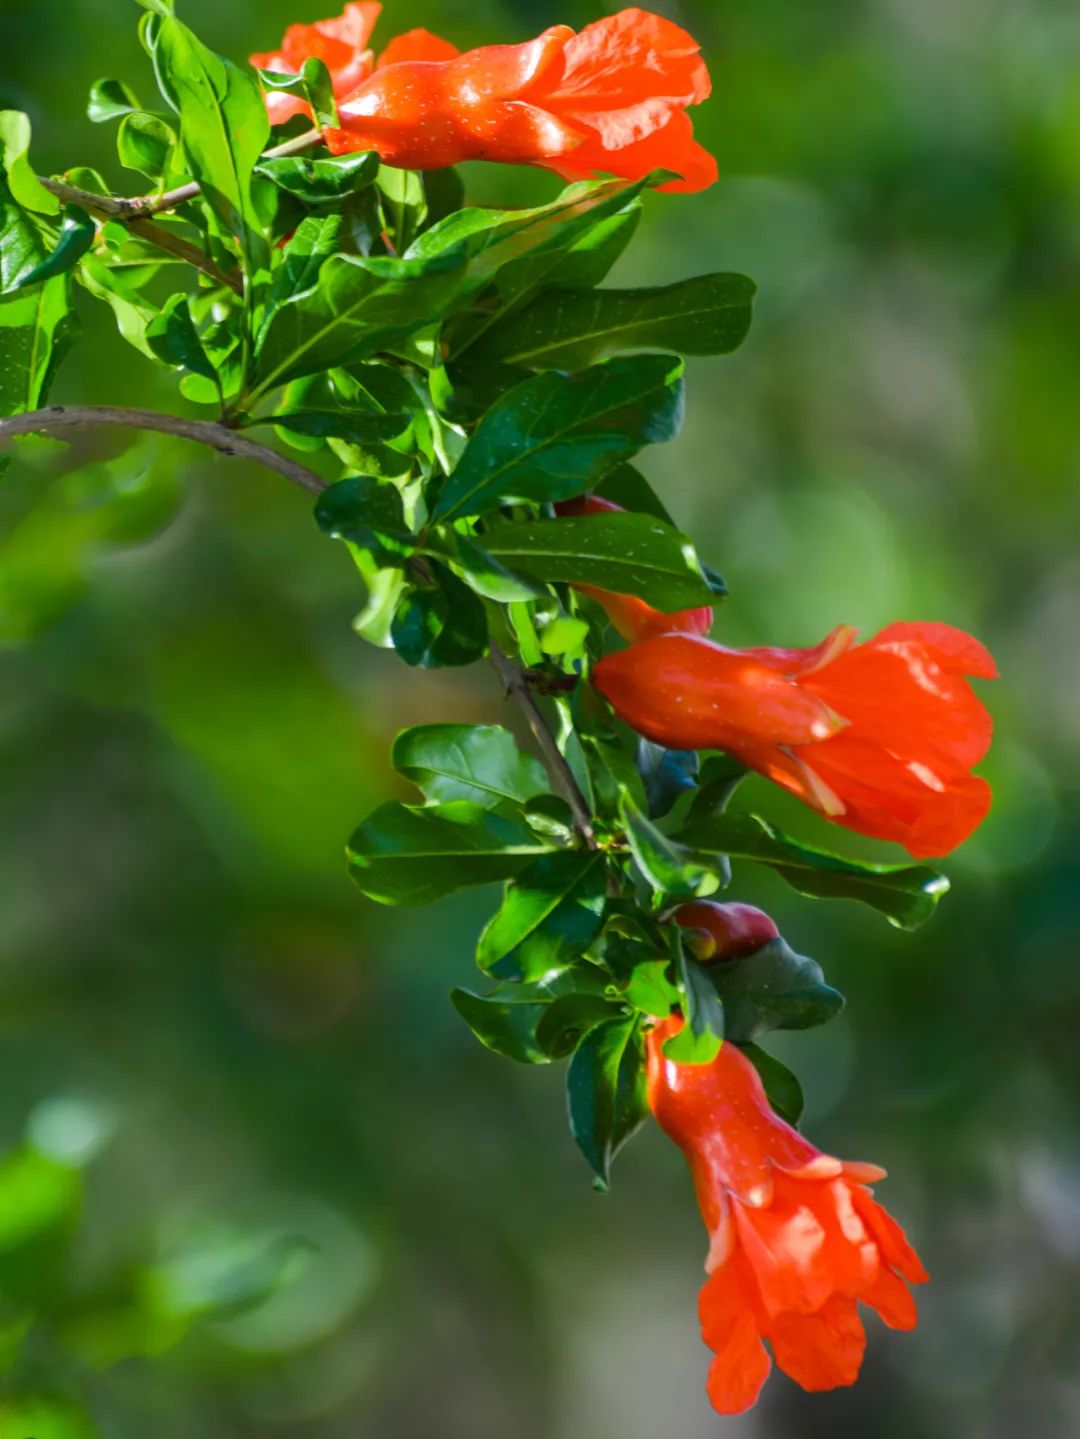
[
  {"x": 956, "y": 652},
  {"x": 739, "y": 1370},
  {"x": 416, "y": 45}
]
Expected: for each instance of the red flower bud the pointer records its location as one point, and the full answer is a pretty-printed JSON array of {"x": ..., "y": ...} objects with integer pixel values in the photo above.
[
  {"x": 879, "y": 737},
  {"x": 610, "y": 99},
  {"x": 729, "y": 931},
  {"x": 797, "y": 1240},
  {"x": 631, "y": 617}
]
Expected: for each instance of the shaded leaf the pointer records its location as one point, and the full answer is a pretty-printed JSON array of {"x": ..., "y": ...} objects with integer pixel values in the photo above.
[
  {"x": 781, "y": 1086},
  {"x": 669, "y": 867},
  {"x": 774, "y": 988},
  {"x": 36, "y": 328},
  {"x": 77, "y": 235},
  {"x": 605, "y": 1091},
  {"x": 324, "y": 180},
  {"x": 442, "y": 624},
  {"x": 172, "y": 337},
  {"x": 407, "y": 855},
  {"x": 505, "y": 1025}
]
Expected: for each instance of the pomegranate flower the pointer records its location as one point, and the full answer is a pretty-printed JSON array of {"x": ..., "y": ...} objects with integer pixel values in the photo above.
[
  {"x": 612, "y": 99},
  {"x": 879, "y": 737},
  {"x": 342, "y": 45},
  {"x": 797, "y": 1240},
  {"x": 632, "y": 618}
]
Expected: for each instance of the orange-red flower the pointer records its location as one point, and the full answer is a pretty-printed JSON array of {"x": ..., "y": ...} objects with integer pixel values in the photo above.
[
  {"x": 342, "y": 45},
  {"x": 610, "y": 99},
  {"x": 632, "y": 618},
  {"x": 879, "y": 737},
  {"x": 797, "y": 1240}
]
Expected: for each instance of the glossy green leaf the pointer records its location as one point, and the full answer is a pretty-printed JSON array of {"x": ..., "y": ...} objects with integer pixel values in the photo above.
[
  {"x": 146, "y": 143},
  {"x": 670, "y": 868},
  {"x": 323, "y": 181},
  {"x": 402, "y": 204},
  {"x": 26, "y": 189},
  {"x": 173, "y": 338},
  {"x": 77, "y": 235},
  {"x": 556, "y": 435},
  {"x": 361, "y": 306},
  {"x": 549, "y": 916},
  {"x": 368, "y": 513},
  {"x": 628, "y": 487},
  {"x": 774, "y": 988},
  {"x": 22, "y": 250},
  {"x": 651, "y": 990},
  {"x": 628, "y": 554},
  {"x": 480, "y": 763},
  {"x": 223, "y": 128},
  {"x": 407, "y": 855},
  {"x": 440, "y": 624},
  {"x": 605, "y": 1091},
  {"x": 110, "y": 100},
  {"x": 699, "y": 1040},
  {"x": 781, "y": 1086},
  {"x": 36, "y": 328},
  {"x": 906, "y": 894},
  {"x": 481, "y": 571},
  {"x": 720, "y": 777},
  {"x": 503, "y": 1023},
  {"x": 569, "y": 329}
]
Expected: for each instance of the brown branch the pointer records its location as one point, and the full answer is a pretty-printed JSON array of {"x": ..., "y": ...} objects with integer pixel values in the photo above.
[
  {"x": 57, "y": 418},
  {"x": 116, "y": 207},
  {"x": 558, "y": 770}
]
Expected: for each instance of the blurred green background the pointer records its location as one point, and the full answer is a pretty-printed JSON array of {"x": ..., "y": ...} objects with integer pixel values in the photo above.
[{"x": 261, "y": 1180}]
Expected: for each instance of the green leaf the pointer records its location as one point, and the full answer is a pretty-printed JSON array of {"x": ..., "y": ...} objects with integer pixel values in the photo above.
[
  {"x": 624, "y": 553},
  {"x": 441, "y": 624},
  {"x": 361, "y": 306},
  {"x": 407, "y": 855},
  {"x": 403, "y": 204},
  {"x": 312, "y": 83},
  {"x": 605, "y": 1091},
  {"x": 76, "y": 237},
  {"x": 479, "y": 763},
  {"x": 109, "y": 100},
  {"x": 21, "y": 248},
  {"x": 356, "y": 428},
  {"x": 782, "y": 1088},
  {"x": 907, "y": 894},
  {"x": 173, "y": 338},
  {"x": 774, "y": 988},
  {"x": 36, "y": 328},
  {"x": 556, "y": 435},
  {"x": 650, "y": 990},
  {"x": 699, "y": 1040},
  {"x": 569, "y": 329},
  {"x": 368, "y": 513},
  {"x": 628, "y": 487},
  {"x": 720, "y": 777},
  {"x": 122, "y": 290},
  {"x": 566, "y": 1020},
  {"x": 507, "y": 1026},
  {"x": 223, "y": 129},
  {"x": 322, "y": 181},
  {"x": 670, "y": 868},
  {"x": 146, "y": 143},
  {"x": 667, "y": 774},
  {"x": 481, "y": 571},
  {"x": 549, "y": 916},
  {"x": 26, "y": 189}
]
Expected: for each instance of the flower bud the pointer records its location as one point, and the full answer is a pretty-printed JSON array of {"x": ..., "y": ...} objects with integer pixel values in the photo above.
[{"x": 724, "y": 931}]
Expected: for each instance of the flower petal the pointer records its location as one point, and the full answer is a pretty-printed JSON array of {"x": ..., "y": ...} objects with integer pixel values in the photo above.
[
  {"x": 416, "y": 45},
  {"x": 822, "y": 1350},
  {"x": 956, "y": 652}
]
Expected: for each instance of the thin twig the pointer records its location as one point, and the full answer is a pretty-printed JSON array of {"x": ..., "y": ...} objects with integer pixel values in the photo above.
[
  {"x": 116, "y": 207},
  {"x": 559, "y": 772},
  {"x": 57, "y": 418}
]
